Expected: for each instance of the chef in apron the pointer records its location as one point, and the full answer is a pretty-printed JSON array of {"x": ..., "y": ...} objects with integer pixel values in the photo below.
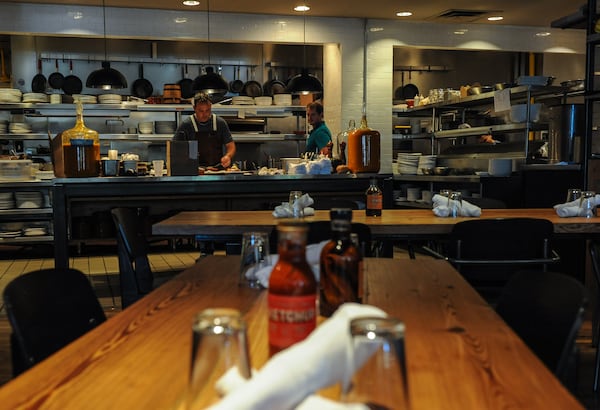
[{"x": 215, "y": 144}]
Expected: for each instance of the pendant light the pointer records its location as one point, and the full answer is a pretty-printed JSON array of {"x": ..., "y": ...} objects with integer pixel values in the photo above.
[
  {"x": 106, "y": 78},
  {"x": 211, "y": 83},
  {"x": 304, "y": 83}
]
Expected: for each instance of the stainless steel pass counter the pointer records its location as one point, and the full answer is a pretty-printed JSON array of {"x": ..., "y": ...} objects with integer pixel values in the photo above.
[{"x": 84, "y": 198}]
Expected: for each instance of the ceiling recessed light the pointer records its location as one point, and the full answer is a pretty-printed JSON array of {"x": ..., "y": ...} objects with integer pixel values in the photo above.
[
  {"x": 543, "y": 34},
  {"x": 191, "y": 3},
  {"x": 461, "y": 31},
  {"x": 302, "y": 8},
  {"x": 404, "y": 14},
  {"x": 180, "y": 20},
  {"x": 495, "y": 18},
  {"x": 375, "y": 29}
]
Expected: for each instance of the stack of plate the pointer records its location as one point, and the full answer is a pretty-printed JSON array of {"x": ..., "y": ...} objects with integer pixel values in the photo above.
[
  {"x": 9, "y": 234},
  {"x": 35, "y": 98},
  {"x": 426, "y": 162},
  {"x": 85, "y": 99},
  {"x": 7, "y": 200},
  {"x": 29, "y": 200},
  {"x": 242, "y": 100},
  {"x": 3, "y": 127},
  {"x": 10, "y": 95},
  {"x": 263, "y": 100},
  {"x": 34, "y": 231},
  {"x": 165, "y": 127},
  {"x": 282, "y": 99},
  {"x": 19, "y": 128},
  {"x": 408, "y": 162},
  {"x": 146, "y": 127},
  {"x": 109, "y": 99}
]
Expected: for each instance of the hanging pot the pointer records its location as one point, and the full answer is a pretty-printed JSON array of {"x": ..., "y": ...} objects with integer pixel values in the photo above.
[
  {"x": 56, "y": 79},
  {"x": 186, "y": 84},
  {"x": 39, "y": 82},
  {"x": 252, "y": 88},
  {"x": 273, "y": 86},
  {"x": 236, "y": 85},
  {"x": 141, "y": 87},
  {"x": 72, "y": 84}
]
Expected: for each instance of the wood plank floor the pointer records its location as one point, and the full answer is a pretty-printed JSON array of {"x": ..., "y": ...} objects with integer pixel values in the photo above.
[{"x": 101, "y": 266}]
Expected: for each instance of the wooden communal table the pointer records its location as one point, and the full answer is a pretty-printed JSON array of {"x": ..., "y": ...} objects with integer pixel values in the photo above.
[
  {"x": 393, "y": 224},
  {"x": 460, "y": 354}
]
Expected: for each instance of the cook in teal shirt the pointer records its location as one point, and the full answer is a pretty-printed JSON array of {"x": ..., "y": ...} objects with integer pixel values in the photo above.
[{"x": 319, "y": 136}]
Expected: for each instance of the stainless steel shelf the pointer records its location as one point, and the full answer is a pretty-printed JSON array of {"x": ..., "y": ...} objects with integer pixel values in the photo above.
[
  {"x": 437, "y": 178},
  {"x": 491, "y": 129}
]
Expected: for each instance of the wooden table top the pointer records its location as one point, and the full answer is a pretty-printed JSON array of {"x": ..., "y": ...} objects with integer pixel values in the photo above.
[
  {"x": 460, "y": 354},
  {"x": 392, "y": 223}
]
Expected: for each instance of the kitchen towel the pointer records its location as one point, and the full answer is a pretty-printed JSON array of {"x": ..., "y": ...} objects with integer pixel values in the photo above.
[
  {"x": 313, "y": 257},
  {"x": 285, "y": 210},
  {"x": 571, "y": 209},
  {"x": 440, "y": 207},
  {"x": 323, "y": 359}
]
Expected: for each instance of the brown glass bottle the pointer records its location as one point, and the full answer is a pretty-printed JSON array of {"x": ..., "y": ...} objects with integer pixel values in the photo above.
[
  {"x": 374, "y": 203},
  {"x": 292, "y": 295},
  {"x": 339, "y": 265}
]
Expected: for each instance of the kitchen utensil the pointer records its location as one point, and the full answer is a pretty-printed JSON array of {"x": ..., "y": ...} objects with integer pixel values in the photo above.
[
  {"x": 252, "y": 88},
  {"x": 56, "y": 79},
  {"x": 186, "y": 84},
  {"x": 141, "y": 87},
  {"x": 39, "y": 82},
  {"x": 273, "y": 86},
  {"x": 72, "y": 84},
  {"x": 236, "y": 85}
]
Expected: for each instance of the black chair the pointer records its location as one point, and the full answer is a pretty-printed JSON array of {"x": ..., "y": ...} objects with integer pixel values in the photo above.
[
  {"x": 48, "y": 309},
  {"x": 595, "y": 256},
  {"x": 546, "y": 310},
  {"x": 135, "y": 275},
  {"x": 487, "y": 252}
]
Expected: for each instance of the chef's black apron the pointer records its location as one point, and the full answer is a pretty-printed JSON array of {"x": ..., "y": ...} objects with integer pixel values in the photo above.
[{"x": 210, "y": 146}]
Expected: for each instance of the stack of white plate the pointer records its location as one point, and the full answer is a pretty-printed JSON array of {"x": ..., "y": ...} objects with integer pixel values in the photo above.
[
  {"x": 242, "y": 100},
  {"x": 7, "y": 200},
  {"x": 282, "y": 99},
  {"x": 19, "y": 128},
  {"x": 10, "y": 234},
  {"x": 146, "y": 127},
  {"x": 10, "y": 95},
  {"x": 263, "y": 100},
  {"x": 408, "y": 162},
  {"x": 165, "y": 127},
  {"x": 109, "y": 99},
  {"x": 29, "y": 200},
  {"x": 3, "y": 127},
  {"x": 85, "y": 99},
  {"x": 34, "y": 231},
  {"x": 426, "y": 162},
  {"x": 35, "y": 98}
]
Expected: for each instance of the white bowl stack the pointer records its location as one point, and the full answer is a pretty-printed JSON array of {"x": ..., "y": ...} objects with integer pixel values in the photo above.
[
  {"x": 265, "y": 100},
  {"x": 10, "y": 95},
  {"x": 85, "y": 99},
  {"x": 109, "y": 99},
  {"x": 242, "y": 100},
  {"x": 35, "y": 98},
  {"x": 408, "y": 162},
  {"x": 282, "y": 99},
  {"x": 29, "y": 200},
  {"x": 19, "y": 128},
  {"x": 146, "y": 127}
]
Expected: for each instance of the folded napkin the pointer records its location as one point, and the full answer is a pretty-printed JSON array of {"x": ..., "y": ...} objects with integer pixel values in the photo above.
[
  {"x": 323, "y": 359},
  {"x": 320, "y": 166},
  {"x": 570, "y": 209},
  {"x": 440, "y": 207},
  {"x": 285, "y": 210},
  {"x": 313, "y": 257}
]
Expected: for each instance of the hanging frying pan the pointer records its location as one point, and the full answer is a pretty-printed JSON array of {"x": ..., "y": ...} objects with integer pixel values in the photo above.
[
  {"x": 409, "y": 91},
  {"x": 56, "y": 79},
  {"x": 186, "y": 84},
  {"x": 141, "y": 87},
  {"x": 273, "y": 86},
  {"x": 72, "y": 84},
  {"x": 236, "y": 85},
  {"x": 39, "y": 82},
  {"x": 252, "y": 88}
]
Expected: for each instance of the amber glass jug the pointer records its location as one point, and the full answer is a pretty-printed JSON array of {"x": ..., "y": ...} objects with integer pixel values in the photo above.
[
  {"x": 363, "y": 148},
  {"x": 81, "y": 149}
]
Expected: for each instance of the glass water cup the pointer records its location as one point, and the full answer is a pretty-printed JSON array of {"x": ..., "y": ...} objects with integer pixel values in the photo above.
[
  {"x": 297, "y": 211},
  {"x": 455, "y": 204},
  {"x": 573, "y": 194},
  {"x": 254, "y": 257},
  {"x": 587, "y": 204},
  {"x": 219, "y": 346}
]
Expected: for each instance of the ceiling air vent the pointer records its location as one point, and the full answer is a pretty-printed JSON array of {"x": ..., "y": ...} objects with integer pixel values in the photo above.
[{"x": 461, "y": 15}]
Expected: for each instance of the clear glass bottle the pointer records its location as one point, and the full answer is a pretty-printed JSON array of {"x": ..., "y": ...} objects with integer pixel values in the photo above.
[
  {"x": 339, "y": 265},
  {"x": 81, "y": 149},
  {"x": 374, "y": 204},
  {"x": 292, "y": 294}
]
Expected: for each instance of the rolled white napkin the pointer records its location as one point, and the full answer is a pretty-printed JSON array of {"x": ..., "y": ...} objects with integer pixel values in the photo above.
[
  {"x": 285, "y": 210},
  {"x": 322, "y": 359},
  {"x": 313, "y": 257},
  {"x": 571, "y": 208},
  {"x": 440, "y": 207}
]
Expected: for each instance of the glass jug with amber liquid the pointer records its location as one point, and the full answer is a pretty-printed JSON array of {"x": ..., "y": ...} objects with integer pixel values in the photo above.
[
  {"x": 363, "y": 148},
  {"x": 81, "y": 149}
]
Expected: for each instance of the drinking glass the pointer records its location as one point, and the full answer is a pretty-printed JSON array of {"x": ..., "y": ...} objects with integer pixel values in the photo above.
[
  {"x": 219, "y": 345},
  {"x": 254, "y": 257},
  {"x": 455, "y": 204},
  {"x": 445, "y": 192},
  {"x": 380, "y": 379},
  {"x": 587, "y": 204},
  {"x": 573, "y": 194},
  {"x": 297, "y": 211},
  {"x": 158, "y": 165}
]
